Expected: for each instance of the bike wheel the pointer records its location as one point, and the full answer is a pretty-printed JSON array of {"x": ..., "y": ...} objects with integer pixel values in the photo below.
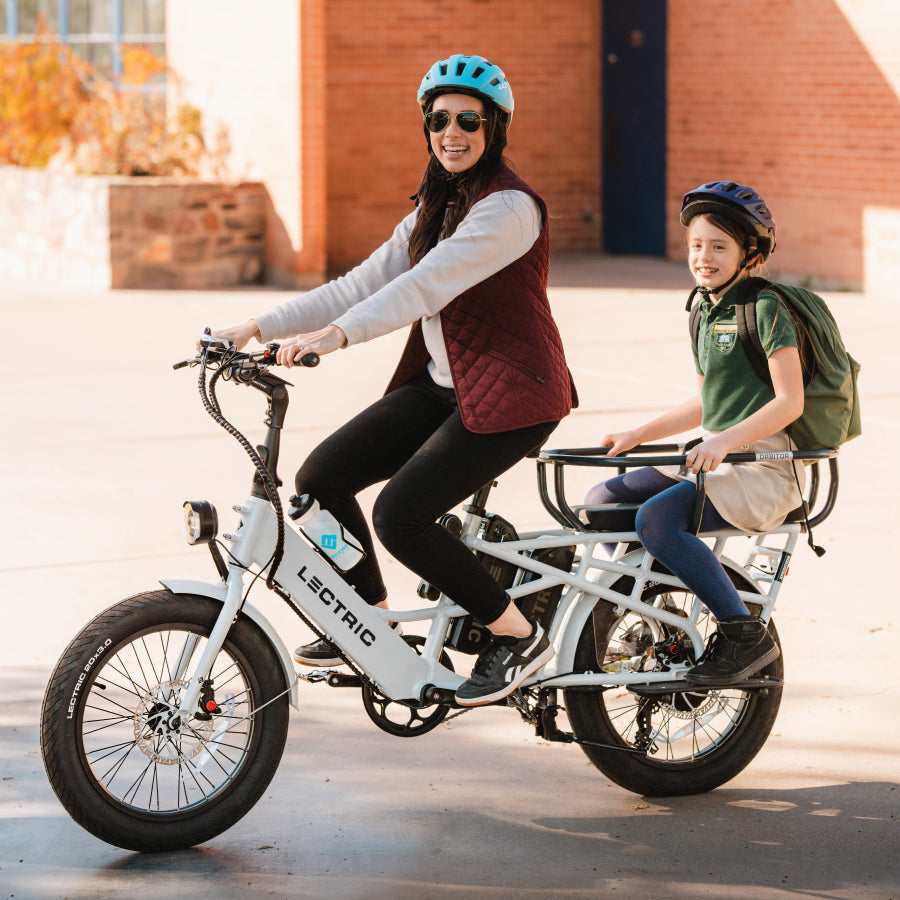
[
  {"x": 122, "y": 768},
  {"x": 665, "y": 744}
]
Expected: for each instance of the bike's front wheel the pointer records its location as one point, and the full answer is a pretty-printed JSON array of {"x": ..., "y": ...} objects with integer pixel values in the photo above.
[
  {"x": 122, "y": 764},
  {"x": 665, "y": 744}
]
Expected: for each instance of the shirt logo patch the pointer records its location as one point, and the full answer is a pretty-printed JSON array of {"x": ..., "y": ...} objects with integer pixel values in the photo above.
[{"x": 724, "y": 336}]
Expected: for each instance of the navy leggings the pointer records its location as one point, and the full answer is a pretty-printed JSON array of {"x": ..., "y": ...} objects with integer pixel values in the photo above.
[
  {"x": 414, "y": 439},
  {"x": 663, "y": 525}
]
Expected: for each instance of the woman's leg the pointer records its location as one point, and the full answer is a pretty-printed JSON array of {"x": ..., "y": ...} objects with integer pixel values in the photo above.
[
  {"x": 369, "y": 449},
  {"x": 447, "y": 469}
]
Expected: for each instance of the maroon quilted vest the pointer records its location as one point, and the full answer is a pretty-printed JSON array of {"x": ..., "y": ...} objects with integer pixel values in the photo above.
[{"x": 505, "y": 352}]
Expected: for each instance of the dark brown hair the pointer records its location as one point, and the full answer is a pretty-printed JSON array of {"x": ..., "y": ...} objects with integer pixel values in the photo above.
[{"x": 444, "y": 199}]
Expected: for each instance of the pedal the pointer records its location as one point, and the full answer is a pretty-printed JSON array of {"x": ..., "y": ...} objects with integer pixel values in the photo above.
[{"x": 341, "y": 679}]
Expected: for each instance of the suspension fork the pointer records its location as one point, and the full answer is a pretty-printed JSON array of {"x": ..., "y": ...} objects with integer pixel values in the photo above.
[{"x": 230, "y": 608}]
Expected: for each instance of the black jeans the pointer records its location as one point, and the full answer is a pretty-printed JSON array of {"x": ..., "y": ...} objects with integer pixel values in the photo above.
[{"x": 414, "y": 439}]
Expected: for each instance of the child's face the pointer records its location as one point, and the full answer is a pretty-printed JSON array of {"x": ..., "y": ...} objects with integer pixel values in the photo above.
[{"x": 713, "y": 255}]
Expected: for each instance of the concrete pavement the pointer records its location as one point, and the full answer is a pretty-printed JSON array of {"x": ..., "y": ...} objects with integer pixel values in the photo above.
[{"x": 102, "y": 442}]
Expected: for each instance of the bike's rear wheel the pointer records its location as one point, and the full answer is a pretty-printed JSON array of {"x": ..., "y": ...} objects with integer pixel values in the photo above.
[
  {"x": 673, "y": 744},
  {"x": 121, "y": 766}
]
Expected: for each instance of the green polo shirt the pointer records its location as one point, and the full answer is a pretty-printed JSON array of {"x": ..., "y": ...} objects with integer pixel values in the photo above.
[{"x": 731, "y": 389}]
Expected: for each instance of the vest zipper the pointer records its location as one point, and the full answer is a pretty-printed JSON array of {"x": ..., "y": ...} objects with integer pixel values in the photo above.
[{"x": 516, "y": 364}]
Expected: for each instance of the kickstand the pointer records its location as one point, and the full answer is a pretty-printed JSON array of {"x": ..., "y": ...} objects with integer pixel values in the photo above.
[{"x": 546, "y": 727}]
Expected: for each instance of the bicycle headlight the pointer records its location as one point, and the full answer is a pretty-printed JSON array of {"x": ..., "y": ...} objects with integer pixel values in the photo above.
[{"x": 200, "y": 521}]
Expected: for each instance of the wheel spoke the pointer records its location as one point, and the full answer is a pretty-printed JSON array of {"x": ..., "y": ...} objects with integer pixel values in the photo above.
[{"x": 137, "y": 753}]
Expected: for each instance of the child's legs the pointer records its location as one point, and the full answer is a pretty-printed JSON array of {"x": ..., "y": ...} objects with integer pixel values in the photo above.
[
  {"x": 663, "y": 524},
  {"x": 634, "y": 486}
]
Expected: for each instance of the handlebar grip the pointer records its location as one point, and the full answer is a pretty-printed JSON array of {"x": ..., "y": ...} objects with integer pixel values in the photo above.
[{"x": 310, "y": 360}]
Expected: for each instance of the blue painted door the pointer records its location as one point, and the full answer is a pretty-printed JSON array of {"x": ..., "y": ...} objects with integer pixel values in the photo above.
[{"x": 634, "y": 126}]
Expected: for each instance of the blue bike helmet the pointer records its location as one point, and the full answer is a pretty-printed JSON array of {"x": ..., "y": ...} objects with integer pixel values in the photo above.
[
  {"x": 738, "y": 203},
  {"x": 471, "y": 75}
]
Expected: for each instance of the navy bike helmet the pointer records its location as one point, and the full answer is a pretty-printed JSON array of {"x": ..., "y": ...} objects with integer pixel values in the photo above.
[
  {"x": 468, "y": 75},
  {"x": 740, "y": 204}
]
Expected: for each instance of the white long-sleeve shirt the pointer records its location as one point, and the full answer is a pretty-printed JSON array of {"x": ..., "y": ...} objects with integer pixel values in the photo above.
[{"x": 383, "y": 294}]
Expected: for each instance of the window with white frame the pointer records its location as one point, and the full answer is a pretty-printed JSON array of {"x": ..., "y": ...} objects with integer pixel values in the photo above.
[{"x": 96, "y": 29}]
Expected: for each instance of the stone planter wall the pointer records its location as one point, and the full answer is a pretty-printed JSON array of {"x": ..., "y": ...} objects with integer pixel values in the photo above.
[{"x": 118, "y": 232}]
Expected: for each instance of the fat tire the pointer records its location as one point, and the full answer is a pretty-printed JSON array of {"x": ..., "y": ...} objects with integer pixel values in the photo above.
[
  {"x": 655, "y": 776},
  {"x": 62, "y": 733}
]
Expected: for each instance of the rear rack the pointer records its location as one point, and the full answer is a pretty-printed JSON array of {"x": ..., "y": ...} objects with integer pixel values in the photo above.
[{"x": 674, "y": 455}]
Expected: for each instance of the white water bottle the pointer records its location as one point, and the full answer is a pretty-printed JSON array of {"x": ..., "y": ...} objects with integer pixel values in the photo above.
[{"x": 326, "y": 533}]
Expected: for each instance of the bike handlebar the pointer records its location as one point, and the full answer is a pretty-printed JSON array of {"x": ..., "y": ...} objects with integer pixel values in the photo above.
[{"x": 218, "y": 352}]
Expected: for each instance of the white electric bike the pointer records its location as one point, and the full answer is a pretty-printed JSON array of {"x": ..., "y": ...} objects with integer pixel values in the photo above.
[{"x": 166, "y": 716}]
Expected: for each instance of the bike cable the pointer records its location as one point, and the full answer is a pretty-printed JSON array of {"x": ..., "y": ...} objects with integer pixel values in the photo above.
[{"x": 211, "y": 405}]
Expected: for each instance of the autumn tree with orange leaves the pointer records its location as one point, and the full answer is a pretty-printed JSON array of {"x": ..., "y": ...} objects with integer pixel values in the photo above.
[{"x": 58, "y": 110}]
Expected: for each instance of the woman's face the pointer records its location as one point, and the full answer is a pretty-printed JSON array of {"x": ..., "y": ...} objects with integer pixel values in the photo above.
[
  {"x": 713, "y": 255},
  {"x": 457, "y": 150}
]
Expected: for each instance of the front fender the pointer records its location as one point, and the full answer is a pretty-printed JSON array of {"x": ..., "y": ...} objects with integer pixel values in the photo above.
[{"x": 217, "y": 592}]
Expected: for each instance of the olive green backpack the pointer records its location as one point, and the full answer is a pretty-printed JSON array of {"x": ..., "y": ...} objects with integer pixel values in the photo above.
[{"x": 831, "y": 399}]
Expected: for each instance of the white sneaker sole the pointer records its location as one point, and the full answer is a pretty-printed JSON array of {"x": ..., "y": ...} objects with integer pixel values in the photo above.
[
  {"x": 532, "y": 667},
  {"x": 317, "y": 663}
]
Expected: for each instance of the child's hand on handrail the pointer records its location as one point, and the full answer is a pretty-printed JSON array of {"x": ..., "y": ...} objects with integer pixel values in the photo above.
[
  {"x": 706, "y": 456},
  {"x": 620, "y": 442}
]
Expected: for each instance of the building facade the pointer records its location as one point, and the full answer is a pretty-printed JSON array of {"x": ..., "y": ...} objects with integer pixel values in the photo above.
[{"x": 621, "y": 107}]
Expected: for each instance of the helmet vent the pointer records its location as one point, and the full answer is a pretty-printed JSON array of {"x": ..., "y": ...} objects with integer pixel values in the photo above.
[
  {"x": 478, "y": 72},
  {"x": 460, "y": 68},
  {"x": 443, "y": 68}
]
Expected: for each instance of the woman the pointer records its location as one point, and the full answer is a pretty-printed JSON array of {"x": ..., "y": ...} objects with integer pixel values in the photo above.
[
  {"x": 482, "y": 380},
  {"x": 730, "y": 234}
]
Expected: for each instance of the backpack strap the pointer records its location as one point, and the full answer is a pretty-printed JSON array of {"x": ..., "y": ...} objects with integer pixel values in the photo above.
[
  {"x": 694, "y": 325},
  {"x": 745, "y": 309}
]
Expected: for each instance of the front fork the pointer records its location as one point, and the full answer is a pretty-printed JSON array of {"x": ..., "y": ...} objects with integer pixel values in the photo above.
[{"x": 191, "y": 696}]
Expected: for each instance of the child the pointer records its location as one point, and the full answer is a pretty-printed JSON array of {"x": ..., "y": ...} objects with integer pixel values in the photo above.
[{"x": 730, "y": 235}]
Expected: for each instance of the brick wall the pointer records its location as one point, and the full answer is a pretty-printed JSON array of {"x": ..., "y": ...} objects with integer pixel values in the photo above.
[
  {"x": 317, "y": 98},
  {"x": 378, "y": 54},
  {"x": 798, "y": 99},
  {"x": 119, "y": 232},
  {"x": 240, "y": 65}
]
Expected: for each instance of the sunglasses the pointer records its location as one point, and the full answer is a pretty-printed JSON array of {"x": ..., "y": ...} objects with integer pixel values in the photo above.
[{"x": 438, "y": 119}]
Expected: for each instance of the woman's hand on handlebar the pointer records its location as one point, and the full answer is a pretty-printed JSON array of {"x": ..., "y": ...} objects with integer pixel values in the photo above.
[
  {"x": 239, "y": 335},
  {"x": 325, "y": 340}
]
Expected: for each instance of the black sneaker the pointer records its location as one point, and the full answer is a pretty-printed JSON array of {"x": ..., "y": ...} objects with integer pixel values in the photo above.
[
  {"x": 503, "y": 666},
  {"x": 740, "y": 648},
  {"x": 323, "y": 653},
  {"x": 318, "y": 653}
]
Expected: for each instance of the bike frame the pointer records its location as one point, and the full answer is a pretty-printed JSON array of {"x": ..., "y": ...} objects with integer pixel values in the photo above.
[{"x": 364, "y": 634}]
